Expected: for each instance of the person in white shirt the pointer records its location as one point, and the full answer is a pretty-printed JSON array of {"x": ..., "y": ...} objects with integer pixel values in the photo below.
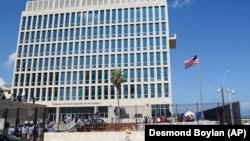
[
  {"x": 30, "y": 132},
  {"x": 158, "y": 120},
  {"x": 11, "y": 130},
  {"x": 40, "y": 132},
  {"x": 24, "y": 132}
]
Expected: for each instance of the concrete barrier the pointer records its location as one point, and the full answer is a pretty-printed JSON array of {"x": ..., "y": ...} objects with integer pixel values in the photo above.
[{"x": 93, "y": 136}]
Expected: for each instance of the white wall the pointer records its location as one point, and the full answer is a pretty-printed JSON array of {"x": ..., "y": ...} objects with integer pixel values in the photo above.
[{"x": 93, "y": 136}]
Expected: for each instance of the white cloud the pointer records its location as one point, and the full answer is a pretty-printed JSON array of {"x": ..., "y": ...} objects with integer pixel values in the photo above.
[
  {"x": 11, "y": 60},
  {"x": 2, "y": 82},
  {"x": 181, "y": 3}
]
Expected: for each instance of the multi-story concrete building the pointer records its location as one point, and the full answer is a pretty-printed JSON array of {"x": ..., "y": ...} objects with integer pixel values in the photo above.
[
  {"x": 6, "y": 89},
  {"x": 67, "y": 49}
]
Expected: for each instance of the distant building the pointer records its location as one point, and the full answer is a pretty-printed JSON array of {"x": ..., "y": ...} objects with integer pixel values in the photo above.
[
  {"x": 67, "y": 49},
  {"x": 7, "y": 91}
]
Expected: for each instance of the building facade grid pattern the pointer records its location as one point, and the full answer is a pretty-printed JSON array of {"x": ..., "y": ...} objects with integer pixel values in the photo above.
[{"x": 69, "y": 56}]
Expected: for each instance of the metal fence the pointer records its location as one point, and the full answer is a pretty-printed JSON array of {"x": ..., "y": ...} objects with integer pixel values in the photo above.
[
  {"x": 205, "y": 111},
  {"x": 17, "y": 114}
]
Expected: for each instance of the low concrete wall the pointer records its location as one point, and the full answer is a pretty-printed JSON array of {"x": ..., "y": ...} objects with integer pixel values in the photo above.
[{"x": 93, "y": 136}]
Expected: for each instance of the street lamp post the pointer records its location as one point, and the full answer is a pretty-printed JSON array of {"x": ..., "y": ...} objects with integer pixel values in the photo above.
[
  {"x": 223, "y": 105},
  {"x": 231, "y": 91},
  {"x": 222, "y": 92}
]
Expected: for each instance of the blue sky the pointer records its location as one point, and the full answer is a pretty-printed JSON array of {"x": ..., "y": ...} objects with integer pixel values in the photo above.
[{"x": 219, "y": 31}]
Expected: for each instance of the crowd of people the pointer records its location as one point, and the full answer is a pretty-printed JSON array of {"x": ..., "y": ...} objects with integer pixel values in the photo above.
[
  {"x": 86, "y": 122},
  {"x": 20, "y": 98},
  {"x": 27, "y": 131},
  {"x": 159, "y": 119}
]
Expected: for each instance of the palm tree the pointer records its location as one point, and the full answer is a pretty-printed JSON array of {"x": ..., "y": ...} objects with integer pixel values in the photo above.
[{"x": 117, "y": 79}]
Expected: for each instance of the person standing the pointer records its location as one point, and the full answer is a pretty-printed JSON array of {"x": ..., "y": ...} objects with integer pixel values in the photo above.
[
  {"x": 18, "y": 131},
  {"x": 127, "y": 133},
  {"x": 24, "y": 132},
  {"x": 30, "y": 132},
  {"x": 40, "y": 132}
]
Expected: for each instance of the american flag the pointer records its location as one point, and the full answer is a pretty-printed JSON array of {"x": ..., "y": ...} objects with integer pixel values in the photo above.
[{"x": 190, "y": 62}]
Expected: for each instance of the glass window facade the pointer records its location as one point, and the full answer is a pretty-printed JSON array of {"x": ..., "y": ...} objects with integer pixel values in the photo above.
[{"x": 76, "y": 52}]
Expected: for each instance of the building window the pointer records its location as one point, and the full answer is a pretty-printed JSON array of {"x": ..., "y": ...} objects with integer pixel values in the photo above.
[
  {"x": 61, "y": 20},
  {"x": 138, "y": 75},
  {"x": 45, "y": 19},
  {"x": 68, "y": 93},
  {"x": 159, "y": 110},
  {"x": 138, "y": 15},
  {"x": 99, "y": 92},
  {"x": 43, "y": 94},
  {"x": 132, "y": 14},
  {"x": 106, "y": 76},
  {"x": 166, "y": 90},
  {"x": 132, "y": 59},
  {"x": 74, "y": 77},
  {"x": 106, "y": 92},
  {"x": 138, "y": 91},
  {"x": 93, "y": 76},
  {"x": 132, "y": 91},
  {"x": 125, "y": 91},
  {"x": 152, "y": 90},
  {"x": 92, "y": 92},
  {"x": 80, "y": 93},
  {"x": 61, "y": 94},
  {"x": 145, "y": 89},
  {"x": 165, "y": 71},
  {"x": 156, "y": 13},
  {"x": 112, "y": 93},
  {"x": 86, "y": 94},
  {"x": 23, "y": 23},
  {"x": 49, "y": 94},
  {"x": 99, "y": 76},
  {"x": 107, "y": 16},
  {"x": 159, "y": 90},
  {"x": 114, "y": 16},
  {"x": 163, "y": 16},
  {"x": 132, "y": 75}
]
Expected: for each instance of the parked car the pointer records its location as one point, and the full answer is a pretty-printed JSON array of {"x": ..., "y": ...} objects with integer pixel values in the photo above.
[{"x": 8, "y": 138}]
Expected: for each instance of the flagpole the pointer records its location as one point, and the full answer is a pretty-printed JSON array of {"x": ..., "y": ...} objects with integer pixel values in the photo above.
[{"x": 199, "y": 77}]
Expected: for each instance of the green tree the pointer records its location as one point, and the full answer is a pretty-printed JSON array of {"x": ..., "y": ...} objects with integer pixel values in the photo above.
[{"x": 117, "y": 79}]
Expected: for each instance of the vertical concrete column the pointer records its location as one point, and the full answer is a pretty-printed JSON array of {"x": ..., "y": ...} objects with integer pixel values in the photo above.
[
  {"x": 95, "y": 109},
  {"x": 111, "y": 115},
  {"x": 58, "y": 112},
  {"x": 58, "y": 117}
]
